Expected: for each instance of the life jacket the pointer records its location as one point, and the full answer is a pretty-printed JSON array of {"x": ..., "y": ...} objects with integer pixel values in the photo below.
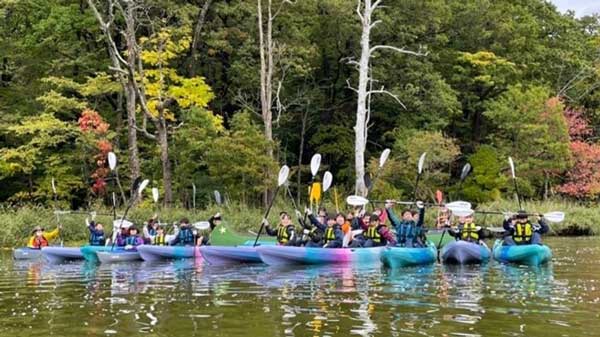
[
  {"x": 131, "y": 240},
  {"x": 407, "y": 230},
  {"x": 315, "y": 234},
  {"x": 159, "y": 240},
  {"x": 469, "y": 232},
  {"x": 329, "y": 234},
  {"x": 97, "y": 239},
  {"x": 39, "y": 242},
  {"x": 151, "y": 231},
  {"x": 523, "y": 233},
  {"x": 186, "y": 236},
  {"x": 282, "y": 234},
  {"x": 373, "y": 234}
]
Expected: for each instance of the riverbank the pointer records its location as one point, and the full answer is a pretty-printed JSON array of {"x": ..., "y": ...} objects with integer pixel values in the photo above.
[{"x": 16, "y": 224}]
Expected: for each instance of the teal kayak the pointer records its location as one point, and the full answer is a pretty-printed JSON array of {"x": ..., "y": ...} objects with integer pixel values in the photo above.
[
  {"x": 398, "y": 257},
  {"x": 532, "y": 255},
  {"x": 89, "y": 252},
  {"x": 61, "y": 254},
  {"x": 157, "y": 253},
  {"x": 283, "y": 255}
]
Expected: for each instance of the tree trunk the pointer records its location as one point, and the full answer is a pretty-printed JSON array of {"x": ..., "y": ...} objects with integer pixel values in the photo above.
[
  {"x": 266, "y": 73},
  {"x": 196, "y": 39},
  {"x": 301, "y": 153},
  {"x": 134, "y": 161},
  {"x": 360, "y": 129},
  {"x": 163, "y": 142}
]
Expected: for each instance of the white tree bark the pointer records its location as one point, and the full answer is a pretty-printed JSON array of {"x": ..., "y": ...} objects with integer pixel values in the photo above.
[{"x": 365, "y": 10}]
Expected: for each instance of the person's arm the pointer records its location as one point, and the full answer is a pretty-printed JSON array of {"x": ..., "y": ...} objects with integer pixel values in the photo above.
[
  {"x": 31, "y": 241},
  {"x": 508, "y": 224},
  {"x": 269, "y": 230},
  {"x": 421, "y": 214},
  {"x": 387, "y": 234},
  {"x": 291, "y": 232},
  {"x": 392, "y": 216},
  {"x": 544, "y": 228},
  {"x": 356, "y": 221},
  {"x": 53, "y": 234}
]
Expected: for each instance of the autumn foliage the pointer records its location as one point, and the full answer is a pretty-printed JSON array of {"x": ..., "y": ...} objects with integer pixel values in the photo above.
[{"x": 93, "y": 124}]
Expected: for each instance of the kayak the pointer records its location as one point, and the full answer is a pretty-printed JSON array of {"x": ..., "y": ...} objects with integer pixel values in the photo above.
[
  {"x": 157, "y": 253},
  {"x": 25, "y": 253},
  {"x": 283, "y": 255},
  {"x": 464, "y": 252},
  {"x": 532, "y": 255},
  {"x": 89, "y": 252},
  {"x": 118, "y": 255},
  {"x": 61, "y": 254},
  {"x": 219, "y": 255},
  {"x": 398, "y": 257}
]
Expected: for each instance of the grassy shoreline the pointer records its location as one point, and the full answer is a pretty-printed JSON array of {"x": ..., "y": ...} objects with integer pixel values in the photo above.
[{"x": 16, "y": 224}]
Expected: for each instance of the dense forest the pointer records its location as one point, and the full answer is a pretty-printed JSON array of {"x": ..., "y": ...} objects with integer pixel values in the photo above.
[{"x": 217, "y": 94}]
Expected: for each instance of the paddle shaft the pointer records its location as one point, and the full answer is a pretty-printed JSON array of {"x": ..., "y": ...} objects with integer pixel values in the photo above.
[
  {"x": 262, "y": 225},
  {"x": 133, "y": 198},
  {"x": 517, "y": 191},
  {"x": 57, "y": 216}
]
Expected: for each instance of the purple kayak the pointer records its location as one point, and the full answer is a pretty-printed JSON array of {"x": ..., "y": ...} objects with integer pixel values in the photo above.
[
  {"x": 464, "y": 252},
  {"x": 283, "y": 255},
  {"x": 219, "y": 255},
  {"x": 157, "y": 253}
]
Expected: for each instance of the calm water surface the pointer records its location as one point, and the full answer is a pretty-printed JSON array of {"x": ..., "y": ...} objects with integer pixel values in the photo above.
[{"x": 187, "y": 298}]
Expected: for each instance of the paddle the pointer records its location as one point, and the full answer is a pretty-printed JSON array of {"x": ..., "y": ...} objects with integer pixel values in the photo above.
[
  {"x": 282, "y": 178},
  {"x": 419, "y": 172},
  {"x": 355, "y": 200},
  {"x": 327, "y": 181},
  {"x": 112, "y": 164},
  {"x": 382, "y": 159},
  {"x": 315, "y": 163},
  {"x": 553, "y": 217},
  {"x": 55, "y": 209},
  {"x": 194, "y": 196},
  {"x": 155, "y": 198},
  {"x": 514, "y": 178},
  {"x": 139, "y": 188}
]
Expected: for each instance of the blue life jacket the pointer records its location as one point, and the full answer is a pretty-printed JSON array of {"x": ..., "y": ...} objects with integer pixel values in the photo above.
[
  {"x": 407, "y": 230},
  {"x": 97, "y": 238},
  {"x": 131, "y": 240},
  {"x": 185, "y": 237},
  {"x": 152, "y": 231}
]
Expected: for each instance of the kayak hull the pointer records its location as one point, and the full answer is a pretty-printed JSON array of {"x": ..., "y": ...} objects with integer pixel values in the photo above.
[
  {"x": 89, "y": 252},
  {"x": 282, "y": 255},
  {"x": 61, "y": 254},
  {"x": 25, "y": 253},
  {"x": 464, "y": 252},
  {"x": 532, "y": 255},
  {"x": 158, "y": 253},
  {"x": 399, "y": 257},
  {"x": 117, "y": 256},
  {"x": 219, "y": 255}
]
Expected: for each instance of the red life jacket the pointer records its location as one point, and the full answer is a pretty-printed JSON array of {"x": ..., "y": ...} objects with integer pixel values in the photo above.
[{"x": 39, "y": 242}]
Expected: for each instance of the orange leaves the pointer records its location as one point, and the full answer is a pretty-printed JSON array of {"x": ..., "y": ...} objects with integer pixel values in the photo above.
[{"x": 91, "y": 121}]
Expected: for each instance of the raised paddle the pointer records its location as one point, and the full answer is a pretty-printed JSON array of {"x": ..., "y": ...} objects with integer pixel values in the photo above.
[
  {"x": 327, "y": 181},
  {"x": 419, "y": 172},
  {"x": 55, "y": 209},
  {"x": 139, "y": 188},
  {"x": 155, "y": 199},
  {"x": 112, "y": 164},
  {"x": 194, "y": 196},
  {"x": 382, "y": 159},
  {"x": 281, "y": 179},
  {"x": 554, "y": 217},
  {"x": 514, "y": 178}
]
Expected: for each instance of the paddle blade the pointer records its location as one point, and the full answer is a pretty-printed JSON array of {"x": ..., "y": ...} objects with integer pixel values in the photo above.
[
  {"x": 143, "y": 186},
  {"x": 462, "y": 211},
  {"x": 315, "y": 163},
  {"x": 136, "y": 184},
  {"x": 368, "y": 181},
  {"x": 327, "y": 180},
  {"x": 218, "y": 199},
  {"x": 421, "y": 163},
  {"x": 155, "y": 194},
  {"x": 201, "y": 225},
  {"x": 465, "y": 171},
  {"x": 555, "y": 217},
  {"x": 384, "y": 157},
  {"x": 283, "y": 175},
  {"x": 356, "y": 200},
  {"x": 53, "y": 186},
  {"x": 122, "y": 223},
  {"x": 439, "y": 196},
  {"x": 112, "y": 161},
  {"x": 512, "y": 167},
  {"x": 458, "y": 205}
]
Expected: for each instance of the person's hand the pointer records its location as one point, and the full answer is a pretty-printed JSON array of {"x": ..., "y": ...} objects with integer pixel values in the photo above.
[
  {"x": 59, "y": 226},
  {"x": 87, "y": 222},
  {"x": 420, "y": 204},
  {"x": 155, "y": 216},
  {"x": 93, "y": 214},
  {"x": 128, "y": 247},
  {"x": 306, "y": 231},
  {"x": 308, "y": 211},
  {"x": 217, "y": 215},
  {"x": 298, "y": 214},
  {"x": 265, "y": 222},
  {"x": 195, "y": 232},
  {"x": 508, "y": 215}
]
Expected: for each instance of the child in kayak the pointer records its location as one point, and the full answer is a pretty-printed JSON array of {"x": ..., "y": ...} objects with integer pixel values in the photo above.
[
  {"x": 409, "y": 231},
  {"x": 40, "y": 239},
  {"x": 204, "y": 237},
  {"x": 133, "y": 239},
  {"x": 285, "y": 231},
  {"x": 96, "y": 229},
  {"x": 377, "y": 234},
  {"x": 121, "y": 238},
  {"x": 313, "y": 229},
  {"x": 185, "y": 235},
  {"x": 466, "y": 230},
  {"x": 160, "y": 239},
  {"x": 150, "y": 230},
  {"x": 520, "y": 231}
]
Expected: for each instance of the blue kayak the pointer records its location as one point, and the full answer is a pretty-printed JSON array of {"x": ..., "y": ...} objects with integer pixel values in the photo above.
[
  {"x": 398, "y": 257},
  {"x": 61, "y": 254},
  {"x": 532, "y": 255},
  {"x": 118, "y": 255},
  {"x": 284, "y": 255},
  {"x": 89, "y": 252},
  {"x": 464, "y": 252},
  {"x": 219, "y": 255},
  {"x": 25, "y": 253},
  {"x": 157, "y": 253}
]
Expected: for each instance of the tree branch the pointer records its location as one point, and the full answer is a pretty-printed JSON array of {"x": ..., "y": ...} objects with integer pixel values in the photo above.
[
  {"x": 351, "y": 87},
  {"x": 359, "y": 2},
  {"x": 383, "y": 91},
  {"x": 145, "y": 133},
  {"x": 399, "y": 50}
]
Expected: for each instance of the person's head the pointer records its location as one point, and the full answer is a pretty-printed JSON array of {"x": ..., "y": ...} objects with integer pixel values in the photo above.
[
  {"x": 282, "y": 215},
  {"x": 331, "y": 220},
  {"x": 99, "y": 227},
  {"x": 522, "y": 217},
  {"x": 374, "y": 220},
  {"x": 38, "y": 231},
  {"x": 184, "y": 222},
  {"x": 415, "y": 216},
  {"x": 378, "y": 211},
  {"x": 407, "y": 215},
  {"x": 350, "y": 216},
  {"x": 133, "y": 230},
  {"x": 151, "y": 223},
  {"x": 217, "y": 219},
  {"x": 322, "y": 212},
  {"x": 286, "y": 219},
  {"x": 466, "y": 218},
  {"x": 160, "y": 230},
  {"x": 124, "y": 230},
  {"x": 340, "y": 219}
]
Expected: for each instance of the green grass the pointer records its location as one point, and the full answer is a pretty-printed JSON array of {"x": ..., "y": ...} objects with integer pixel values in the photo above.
[{"x": 239, "y": 220}]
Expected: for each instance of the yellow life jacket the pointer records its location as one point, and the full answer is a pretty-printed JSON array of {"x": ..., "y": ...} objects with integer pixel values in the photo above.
[
  {"x": 523, "y": 232},
  {"x": 469, "y": 232},
  {"x": 159, "y": 240},
  {"x": 373, "y": 234},
  {"x": 329, "y": 234},
  {"x": 282, "y": 235}
]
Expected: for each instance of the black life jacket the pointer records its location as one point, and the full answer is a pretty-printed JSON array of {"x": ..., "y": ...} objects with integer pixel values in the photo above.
[
  {"x": 186, "y": 237},
  {"x": 97, "y": 239}
]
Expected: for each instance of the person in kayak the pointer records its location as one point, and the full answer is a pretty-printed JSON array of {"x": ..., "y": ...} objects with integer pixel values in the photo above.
[
  {"x": 520, "y": 231},
  {"x": 377, "y": 234},
  {"x": 409, "y": 231},
  {"x": 40, "y": 239},
  {"x": 333, "y": 237},
  {"x": 443, "y": 219},
  {"x": 133, "y": 239},
  {"x": 121, "y": 238},
  {"x": 96, "y": 229},
  {"x": 314, "y": 229},
  {"x": 285, "y": 231},
  {"x": 150, "y": 230},
  {"x": 160, "y": 239},
  {"x": 185, "y": 235},
  {"x": 204, "y": 238},
  {"x": 466, "y": 230}
]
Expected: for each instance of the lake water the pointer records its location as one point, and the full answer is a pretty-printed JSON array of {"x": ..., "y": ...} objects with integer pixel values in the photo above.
[{"x": 188, "y": 298}]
